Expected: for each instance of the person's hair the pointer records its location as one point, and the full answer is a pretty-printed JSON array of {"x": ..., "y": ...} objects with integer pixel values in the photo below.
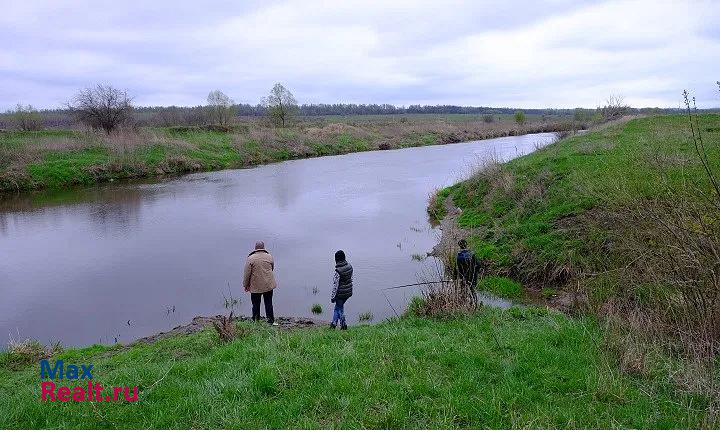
[
  {"x": 259, "y": 244},
  {"x": 339, "y": 256},
  {"x": 462, "y": 243}
]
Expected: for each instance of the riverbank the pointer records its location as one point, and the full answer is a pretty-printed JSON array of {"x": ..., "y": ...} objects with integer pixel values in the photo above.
[
  {"x": 62, "y": 158},
  {"x": 518, "y": 368},
  {"x": 621, "y": 223}
]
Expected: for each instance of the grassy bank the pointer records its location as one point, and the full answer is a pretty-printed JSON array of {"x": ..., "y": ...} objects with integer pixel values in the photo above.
[
  {"x": 61, "y": 158},
  {"x": 494, "y": 369},
  {"x": 623, "y": 222},
  {"x": 540, "y": 219}
]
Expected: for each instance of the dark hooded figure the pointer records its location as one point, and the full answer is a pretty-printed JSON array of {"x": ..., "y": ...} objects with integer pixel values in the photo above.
[
  {"x": 342, "y": 289},
  {"x": 467, "y": 268}
]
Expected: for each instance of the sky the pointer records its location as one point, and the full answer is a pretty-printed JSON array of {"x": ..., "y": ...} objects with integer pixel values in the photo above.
[{"x": 533, "y": 54}]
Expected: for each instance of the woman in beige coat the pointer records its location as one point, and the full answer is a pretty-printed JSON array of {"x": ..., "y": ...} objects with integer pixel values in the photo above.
[{"x": 259, "y": 281}]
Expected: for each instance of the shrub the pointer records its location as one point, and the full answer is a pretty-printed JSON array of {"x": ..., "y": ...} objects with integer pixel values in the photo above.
[
  {"x": 22, "y": 353},
  {"x": 102, "y": 107},
  {"x": 443, "y": 299},
  {"x": 365, "y": 316},
  {"x": 614, "y": 108},
  {"x": 519, "y": 117},
  {"x": 488, "y": 118},
  {"x": 26, "y": 118},
  {"x": 316, "y": 309},
  {"x": 225, "y": 327}
]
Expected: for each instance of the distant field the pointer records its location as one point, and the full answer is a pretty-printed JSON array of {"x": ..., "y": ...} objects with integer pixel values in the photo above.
[
  {"x": 58, "y": 157},
  {"x": 453, "y": 117}
]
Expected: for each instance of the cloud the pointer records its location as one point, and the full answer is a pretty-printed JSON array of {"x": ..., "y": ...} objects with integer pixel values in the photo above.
[{"x": 543, "y": 54}]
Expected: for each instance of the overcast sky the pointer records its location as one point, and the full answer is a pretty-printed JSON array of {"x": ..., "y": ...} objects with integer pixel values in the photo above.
[{"x": 491, "y": 53}]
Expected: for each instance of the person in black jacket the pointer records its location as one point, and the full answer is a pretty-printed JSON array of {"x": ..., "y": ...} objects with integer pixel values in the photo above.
[
  {"x": 468, "y": 268},
  {"x": 342, "y": 289}
]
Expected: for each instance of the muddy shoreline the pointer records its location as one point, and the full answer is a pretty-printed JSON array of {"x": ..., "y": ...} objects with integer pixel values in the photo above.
[{"x": 199, "y": 323}]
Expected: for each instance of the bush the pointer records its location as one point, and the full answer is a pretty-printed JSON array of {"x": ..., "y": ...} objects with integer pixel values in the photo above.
[
  {"x": 365, "y": 316},
  {"x": 443, "y": 299},
  {"x": 416, "y": 307},
  {"x": 102, "y": 107},
  {"x": 519, "y": 117},
  {"x": 29, "y": 351},
  {"x": 614, "y": 108},
  {"x": 488, "y": 118},
  {"x": 316, "y": 309},
  {"x": 26, "y": 118}
]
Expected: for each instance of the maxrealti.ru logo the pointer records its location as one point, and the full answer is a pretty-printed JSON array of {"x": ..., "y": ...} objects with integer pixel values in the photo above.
[{"x": 80, "y": 393}]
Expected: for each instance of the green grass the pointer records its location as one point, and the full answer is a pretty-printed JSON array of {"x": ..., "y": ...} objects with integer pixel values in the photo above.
[
  {"x": 500, "y": 286},
  {"x": 523, "y": 368},
  {"x": 607, "y": 169},
  {"x": 67, "y": 167},
  {"x": 214, "y": 150}
]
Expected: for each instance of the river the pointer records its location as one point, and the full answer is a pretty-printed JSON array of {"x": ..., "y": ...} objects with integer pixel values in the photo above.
[{"x": 116, "y": 262}]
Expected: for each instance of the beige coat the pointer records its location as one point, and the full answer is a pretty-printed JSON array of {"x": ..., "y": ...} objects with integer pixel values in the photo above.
[{"x": 259, "y": 276}]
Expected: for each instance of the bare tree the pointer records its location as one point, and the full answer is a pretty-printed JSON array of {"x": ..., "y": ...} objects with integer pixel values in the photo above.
[
  {"x": 281, "y": 105},
  {"x": 220, "y": 107},
  {"x": 26, "y": 118},
  {"x": 102, "y": 107},
  {"x": 614, "y": 108}
]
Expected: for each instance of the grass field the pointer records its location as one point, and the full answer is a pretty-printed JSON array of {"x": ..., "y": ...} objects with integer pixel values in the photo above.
[
  {"x": 61, "y": 158},
  {"x": 512, "y": 369}
]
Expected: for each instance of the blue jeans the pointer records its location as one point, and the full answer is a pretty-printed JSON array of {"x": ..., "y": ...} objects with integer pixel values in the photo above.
[{"x": 339, "y": 312}]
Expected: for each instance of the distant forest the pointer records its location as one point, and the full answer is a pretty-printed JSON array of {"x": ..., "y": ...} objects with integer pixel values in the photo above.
[{"x": 175, "y": 115}]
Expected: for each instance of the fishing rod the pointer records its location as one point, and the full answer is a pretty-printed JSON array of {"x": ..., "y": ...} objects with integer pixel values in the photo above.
[{"x": 416, "y": 284}]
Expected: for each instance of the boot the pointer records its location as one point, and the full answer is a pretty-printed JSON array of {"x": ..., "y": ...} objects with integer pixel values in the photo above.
[
  {"x": 332, "y": 326},
  {"x": 343, "y": 326}
]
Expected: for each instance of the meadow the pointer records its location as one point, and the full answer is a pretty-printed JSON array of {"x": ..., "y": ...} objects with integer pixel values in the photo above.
[
  {"x": 514, "y": 369},
  {"x": 57, "y": 158}
]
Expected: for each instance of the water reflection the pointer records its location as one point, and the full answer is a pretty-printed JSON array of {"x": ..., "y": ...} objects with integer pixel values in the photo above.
[{"x": 77, "y": 265}]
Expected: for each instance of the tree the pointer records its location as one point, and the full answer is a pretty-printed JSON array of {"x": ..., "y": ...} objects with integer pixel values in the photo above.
[
  {"x": 519, "y": 117},
  {"x": 220, "y": 107},
  {"x": 280, "y": 104},
  {"x": 614, "y": 108},
  {"x": 26, "y": 118},
  {"x": 102, "y": 107}
]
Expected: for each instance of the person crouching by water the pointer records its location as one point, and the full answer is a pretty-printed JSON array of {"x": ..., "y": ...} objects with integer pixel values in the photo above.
[
  {"x": 259, "y": 281},
  {"x": 342, "y": 289}
]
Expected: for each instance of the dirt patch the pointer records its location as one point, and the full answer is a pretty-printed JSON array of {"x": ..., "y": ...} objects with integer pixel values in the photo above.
[
  {"x": 201, "y": 322},
  {"x": 451, "y": 231}
]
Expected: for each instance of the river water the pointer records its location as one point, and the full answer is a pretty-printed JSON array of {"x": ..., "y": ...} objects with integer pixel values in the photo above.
[{"x": 115, "y": 262}]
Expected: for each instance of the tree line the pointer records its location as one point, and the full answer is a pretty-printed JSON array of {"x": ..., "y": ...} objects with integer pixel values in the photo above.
[{"x": 105, "y": 108}]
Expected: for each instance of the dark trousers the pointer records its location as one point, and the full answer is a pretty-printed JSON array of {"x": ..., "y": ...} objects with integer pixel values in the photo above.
[{"x": 267, "y": 298}]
